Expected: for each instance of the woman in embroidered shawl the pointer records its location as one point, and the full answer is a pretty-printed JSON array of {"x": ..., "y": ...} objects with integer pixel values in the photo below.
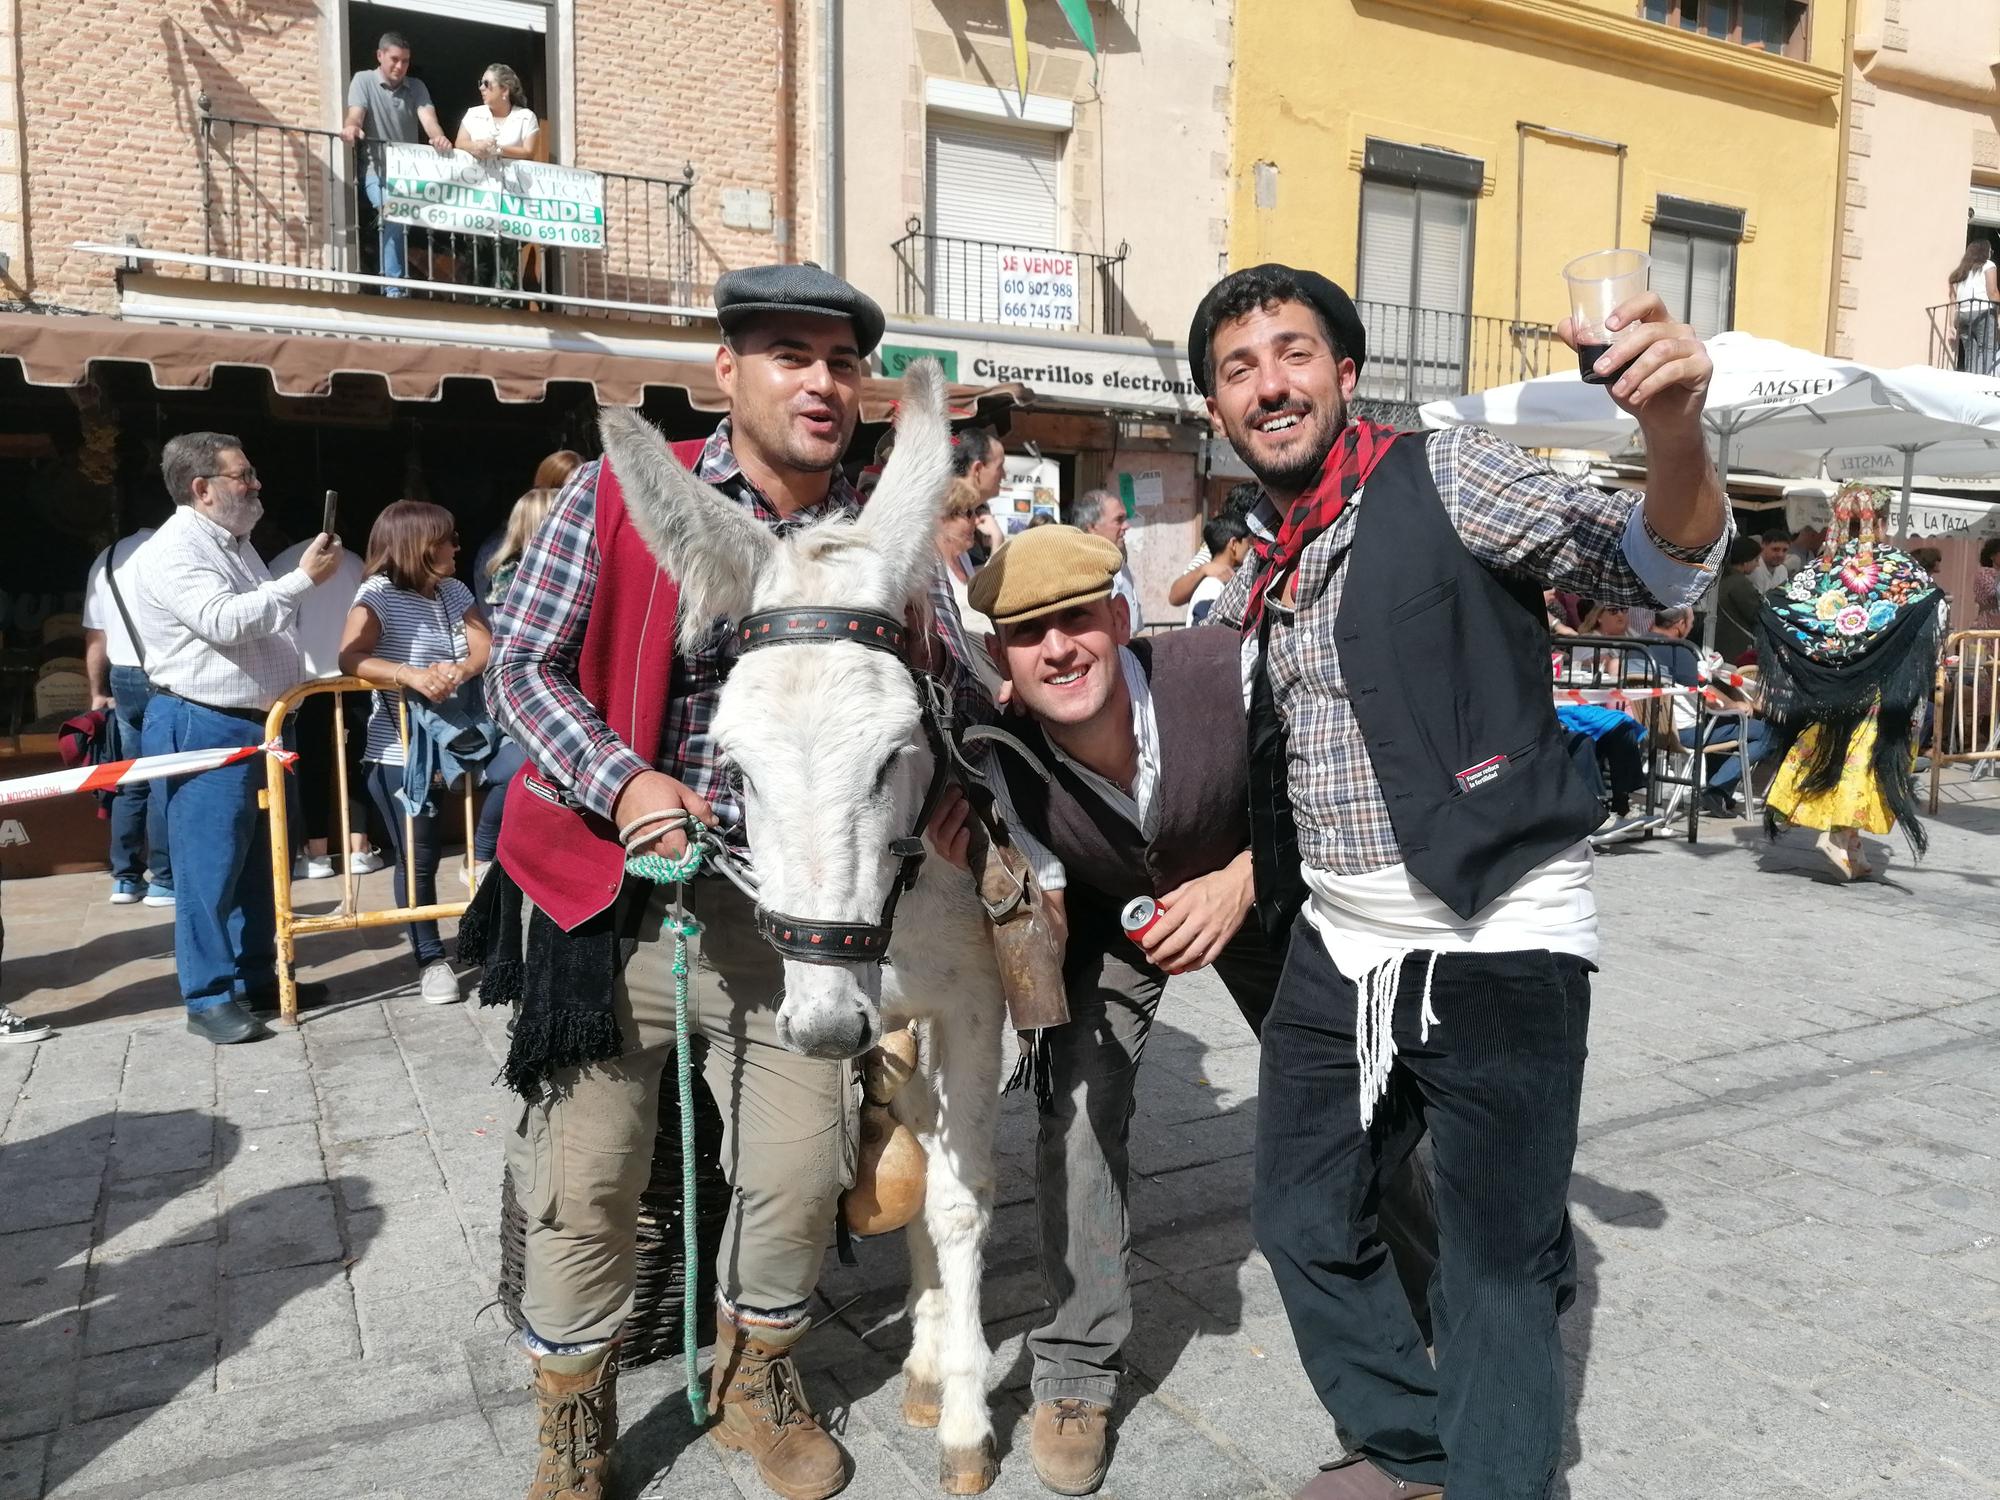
[{"x": 1848, "y": 651}]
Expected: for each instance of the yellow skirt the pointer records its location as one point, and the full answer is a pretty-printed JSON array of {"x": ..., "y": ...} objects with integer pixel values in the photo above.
[{"x": 1855, "y": 801}]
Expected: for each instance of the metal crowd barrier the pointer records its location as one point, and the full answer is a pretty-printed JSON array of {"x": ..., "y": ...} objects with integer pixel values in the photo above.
[
  {"x": 1965, "y": 723},
  {"x": 349, "y": 915},
  {"x": 1676, "y": 776}
]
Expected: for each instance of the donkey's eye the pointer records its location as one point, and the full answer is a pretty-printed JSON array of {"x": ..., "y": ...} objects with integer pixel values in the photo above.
[{"x": 882, "y": 775}]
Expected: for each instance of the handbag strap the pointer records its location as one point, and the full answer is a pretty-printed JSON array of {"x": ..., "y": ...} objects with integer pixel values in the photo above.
[{"x": 118, "y": 598}]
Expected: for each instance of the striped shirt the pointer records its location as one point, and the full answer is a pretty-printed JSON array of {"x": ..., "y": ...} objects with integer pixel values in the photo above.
[
  {"x": 538, "y": 633},
  {"x": 217, "y": 627},
  {"x": 417, "y": 630},
  {"x": 1515, "y": 515}
]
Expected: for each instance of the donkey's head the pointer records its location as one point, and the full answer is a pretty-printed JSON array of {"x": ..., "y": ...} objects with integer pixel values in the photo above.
[{"x": 827, "y": 738}]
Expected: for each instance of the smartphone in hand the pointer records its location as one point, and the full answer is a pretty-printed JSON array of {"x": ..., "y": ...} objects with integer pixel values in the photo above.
[{"x": 328, "y": 521}]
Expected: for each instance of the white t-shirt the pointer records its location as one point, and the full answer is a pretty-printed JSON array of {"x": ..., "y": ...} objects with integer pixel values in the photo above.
[
  {"x": 322, "y": 617},
  {"x": 1205, "y": 593},
  {"x": 417, "y": 630},
  {"x": 515, "y": 128},
  {"x": 100, "y": 609}
]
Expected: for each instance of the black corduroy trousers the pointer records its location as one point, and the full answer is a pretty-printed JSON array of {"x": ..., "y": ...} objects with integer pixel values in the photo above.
[{"x": 1497, "y": 1087}]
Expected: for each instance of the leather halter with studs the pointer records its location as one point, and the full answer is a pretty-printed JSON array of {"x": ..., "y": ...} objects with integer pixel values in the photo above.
[{"x": 851, "y": 942}]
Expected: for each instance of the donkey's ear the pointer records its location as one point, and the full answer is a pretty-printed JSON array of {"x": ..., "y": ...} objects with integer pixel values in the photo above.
[
  {"x": 902, "y": 515},
  {"x": 713, "y": 547}
]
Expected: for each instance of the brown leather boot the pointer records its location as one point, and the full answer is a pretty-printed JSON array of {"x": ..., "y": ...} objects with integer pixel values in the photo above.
[
  {"x": 576, "y": 1401},
  {"x": 761, "y": 1409},
  {"x": 1066, "y": 1441}
]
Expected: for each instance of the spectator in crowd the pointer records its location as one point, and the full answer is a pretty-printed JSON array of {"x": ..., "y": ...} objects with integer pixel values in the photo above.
[
  {"x": 957, "y": 531},
  {"x": 1737, "y": 601},
  {"x": 414, "y": 628},
  {"x": 322, "y": 618},
  {"x": 1986, "y": 587},
  {"x": 500, "y": 127},
  {"x": 221, "y": 648},
  {"x": 1227, "y": 540},
  {"x": 1600, "y": 618},
  {"x": 1974, "y": 286},
  {"x": 551, "y": 474},
  {"x": 384, "y": 103},
  {"x": 1103, "y": 514},
  {"x": 1750, "y": 735},
  {"x": 1775, "y": 564},
  {"x": 1128, "y": 781},
  {"x": 1241, "y": 503},
  {"x": 1561, "y": 622},
  {"x": 1806, "y": 542},
  {"x": 978, "y": 458},
  {"x": 115, "y": 659},
  {"x": 505, "y": 559}
]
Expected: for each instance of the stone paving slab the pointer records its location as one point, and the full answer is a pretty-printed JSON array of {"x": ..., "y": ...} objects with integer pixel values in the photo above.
[{"x": 267, "y": 1271}]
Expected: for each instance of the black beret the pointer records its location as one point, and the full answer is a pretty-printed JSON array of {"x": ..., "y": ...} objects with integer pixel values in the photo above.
[
  {"x": 803, "y": 288},
  {"x": 1334, "y": 305}
]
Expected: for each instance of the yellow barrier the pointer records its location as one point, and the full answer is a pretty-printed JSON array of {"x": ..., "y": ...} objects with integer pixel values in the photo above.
[
  {"x": 292, "y": 925},
  {"x": 1967, "y": 702}
]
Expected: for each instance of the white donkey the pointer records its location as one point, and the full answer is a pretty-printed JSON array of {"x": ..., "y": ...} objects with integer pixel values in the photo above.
[{"x": 836, "y": 760}]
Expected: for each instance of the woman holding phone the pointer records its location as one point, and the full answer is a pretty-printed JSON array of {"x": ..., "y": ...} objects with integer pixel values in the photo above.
[{"x": 414, "y": 630}]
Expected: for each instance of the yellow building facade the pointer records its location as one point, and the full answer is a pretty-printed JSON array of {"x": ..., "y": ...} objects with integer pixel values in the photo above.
[{"x": 1443, "y": 159}]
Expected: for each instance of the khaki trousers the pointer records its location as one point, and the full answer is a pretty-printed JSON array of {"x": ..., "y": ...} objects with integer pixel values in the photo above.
[{"x": 581, "y": 1156}]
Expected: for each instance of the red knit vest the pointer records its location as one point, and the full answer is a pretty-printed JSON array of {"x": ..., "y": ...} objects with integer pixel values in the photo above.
[{"x": 567, "y": 860}]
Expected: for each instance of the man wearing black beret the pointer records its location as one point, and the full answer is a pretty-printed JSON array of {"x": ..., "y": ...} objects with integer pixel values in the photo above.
[
  {"x": 590, "y": 674},
  {"x": 1417, "y": 826}
]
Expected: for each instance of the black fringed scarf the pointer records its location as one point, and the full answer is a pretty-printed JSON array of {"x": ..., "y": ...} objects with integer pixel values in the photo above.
[
  {"x": 1888, "y": 675},
  {"x": 559, "y": 983}
]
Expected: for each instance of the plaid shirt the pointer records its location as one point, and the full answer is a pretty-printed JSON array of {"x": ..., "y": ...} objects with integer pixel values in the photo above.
[
  {"x": 1515, "y": 515},
  {"x": 538, "y": 634}
]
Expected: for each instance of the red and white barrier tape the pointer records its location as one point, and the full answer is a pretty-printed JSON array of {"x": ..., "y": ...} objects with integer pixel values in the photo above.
[{"x": 117, "y": 773}]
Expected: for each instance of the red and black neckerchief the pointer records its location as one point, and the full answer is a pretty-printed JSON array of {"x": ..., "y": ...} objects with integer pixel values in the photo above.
[{"x": 1360, "y": 446}]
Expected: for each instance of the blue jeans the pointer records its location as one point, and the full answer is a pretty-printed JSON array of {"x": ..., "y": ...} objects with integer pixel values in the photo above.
[
  {"x": 225, "y": 932},
  {"x": 496, "y": 776},
  {"x": 1756, "y": 739},
  {"x": 139, "y": 841},
  {"x": 394, "y": 238},
  {"x": 383, "y": 784}
]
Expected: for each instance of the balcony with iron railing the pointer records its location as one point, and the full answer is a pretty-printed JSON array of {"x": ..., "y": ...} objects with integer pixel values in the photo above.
[
  {"x": 286, "y": 204},
  {"x": 1964, "y": 336},
  {"x": 990, "y": 281},
  {"x": 1419, "y": 354}
]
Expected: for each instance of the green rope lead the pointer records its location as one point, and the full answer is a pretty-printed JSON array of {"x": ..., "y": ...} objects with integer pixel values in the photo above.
[{"x": 677, "y": 872}]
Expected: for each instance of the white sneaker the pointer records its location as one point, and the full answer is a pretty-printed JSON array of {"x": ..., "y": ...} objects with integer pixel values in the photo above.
[
  {"x": 313, "y": 867},
  {"x": 15, "y": 1028},
  {"x": 439, "y": 986},
  {"x": 367, "y": 862}
]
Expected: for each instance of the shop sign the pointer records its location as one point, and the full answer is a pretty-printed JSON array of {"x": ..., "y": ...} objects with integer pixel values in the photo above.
[
  {"x": 1036, "y": 288},
  {"x": 1142, "y": 378},
  {"x": 536, "y": 202}
]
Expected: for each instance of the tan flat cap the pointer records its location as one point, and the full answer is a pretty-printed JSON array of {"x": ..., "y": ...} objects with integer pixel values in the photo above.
[{"x": 1042, "y": 570}]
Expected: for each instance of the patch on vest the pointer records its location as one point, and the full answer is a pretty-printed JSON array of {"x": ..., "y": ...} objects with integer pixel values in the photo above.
[{"x": 1484, "y": 774}]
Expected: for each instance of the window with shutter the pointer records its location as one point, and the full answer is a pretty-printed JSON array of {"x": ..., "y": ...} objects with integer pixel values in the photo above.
[
  {"x": 990, "y": 186},
  {"x": 1695, "y": 275},
  {"x": 1415, "y": 288}
]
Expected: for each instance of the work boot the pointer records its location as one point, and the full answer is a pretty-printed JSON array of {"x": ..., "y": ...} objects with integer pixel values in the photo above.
[
  {"x": 576, "y": 1403},
  {"x": 1066, "y": 1442},
  {"x": 761, "y": 1409}
]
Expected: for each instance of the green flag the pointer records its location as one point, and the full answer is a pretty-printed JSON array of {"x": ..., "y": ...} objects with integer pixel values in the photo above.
[{"x": 1078, "y": 14}]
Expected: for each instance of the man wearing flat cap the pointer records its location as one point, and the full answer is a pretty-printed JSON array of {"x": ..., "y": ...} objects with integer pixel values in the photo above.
[
  {"x": 1411, "y": 802},
  {"x": 588, "y": 675},
  {"x": 1122, "y": 777}
]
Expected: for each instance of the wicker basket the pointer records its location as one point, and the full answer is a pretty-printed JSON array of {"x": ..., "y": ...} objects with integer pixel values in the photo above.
[{"x": 654, "y": 1329}]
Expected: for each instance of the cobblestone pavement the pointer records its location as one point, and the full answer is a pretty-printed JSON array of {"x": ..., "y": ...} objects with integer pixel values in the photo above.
[{"x": 265, "y": 1271}]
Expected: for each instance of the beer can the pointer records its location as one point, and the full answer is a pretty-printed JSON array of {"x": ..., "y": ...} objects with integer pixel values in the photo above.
[{"x": 1140, "y": 913}]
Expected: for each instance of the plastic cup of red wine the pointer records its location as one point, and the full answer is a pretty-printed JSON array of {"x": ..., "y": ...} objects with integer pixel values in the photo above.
[{"x": 1598, "y": 284}]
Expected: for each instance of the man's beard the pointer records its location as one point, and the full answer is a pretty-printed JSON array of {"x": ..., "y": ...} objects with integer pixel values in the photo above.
[
  {"x": 239, "y": 517},
  {"x": 1295, "y": 475}
]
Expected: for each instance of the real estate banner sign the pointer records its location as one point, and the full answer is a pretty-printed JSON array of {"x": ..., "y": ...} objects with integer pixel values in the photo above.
[{"x": 533, "y": 201}]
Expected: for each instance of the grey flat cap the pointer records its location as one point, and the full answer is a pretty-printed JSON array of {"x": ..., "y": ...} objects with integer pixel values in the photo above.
[{"x": 803, "y": 288}]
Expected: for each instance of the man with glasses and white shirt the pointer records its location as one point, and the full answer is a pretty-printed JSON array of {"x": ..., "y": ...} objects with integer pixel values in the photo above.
[{"x": 221, "y": 649}]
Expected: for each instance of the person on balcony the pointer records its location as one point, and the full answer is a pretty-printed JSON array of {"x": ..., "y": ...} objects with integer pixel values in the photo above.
[
  {"x": 500, "y": 127},
  {"x": 384, "y": 104},
  {"x": 1975, "y": 291}
]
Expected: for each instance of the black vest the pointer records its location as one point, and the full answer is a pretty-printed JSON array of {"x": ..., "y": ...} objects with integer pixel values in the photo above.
[
  {"x": 1200, "y": 796},
  {"x": 1447, "y": 672}
]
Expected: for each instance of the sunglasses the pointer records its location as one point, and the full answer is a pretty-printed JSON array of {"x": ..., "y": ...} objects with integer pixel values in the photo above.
[{"x": 487, "y": 83}]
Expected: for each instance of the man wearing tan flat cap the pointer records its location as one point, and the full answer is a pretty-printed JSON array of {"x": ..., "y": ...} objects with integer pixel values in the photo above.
[{"x": 1122, "y": 776}]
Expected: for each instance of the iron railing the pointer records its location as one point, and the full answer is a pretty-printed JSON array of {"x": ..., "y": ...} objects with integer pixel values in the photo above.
[
  {"x": 1419, "y": 354},
  {"x": 1965, "y": 336},
  {"x": 989, "y": 281},
  {"x": 294, "y": 196}
]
